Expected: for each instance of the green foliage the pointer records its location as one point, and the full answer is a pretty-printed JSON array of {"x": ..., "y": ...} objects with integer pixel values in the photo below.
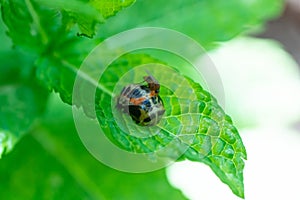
[
  {"x": 58, "y": 71},
  {"x": 43, "y": 23},
  {"x": 22, "y": 100},
  {"x": 46, "y": 31},
  {"x": 52, "y": 163},
  {"x": 204, "y": 20},
  {"x": 216, "y": 142}
]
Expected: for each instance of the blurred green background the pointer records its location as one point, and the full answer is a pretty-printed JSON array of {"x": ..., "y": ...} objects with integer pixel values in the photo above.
[{"x": 46, "y": 160}]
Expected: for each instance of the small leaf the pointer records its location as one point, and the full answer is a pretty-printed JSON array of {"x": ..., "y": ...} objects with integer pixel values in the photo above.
[
  {"x": 110, "y": 7},
  {"x": 98, "y": 11}
]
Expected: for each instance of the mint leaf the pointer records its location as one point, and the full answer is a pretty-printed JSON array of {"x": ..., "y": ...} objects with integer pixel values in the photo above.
[
  {"x": 86, "y": 14},
  {"x": 96, "y": 12},
  {"x": 22, "y": 99},
  {"x": 193, "y": 116},
  {"x": 63, "y": 168},
  {"x": 27, "y": 27},
  {"x": 37, "y": 24},
  {"x": 195, "y": 123}
]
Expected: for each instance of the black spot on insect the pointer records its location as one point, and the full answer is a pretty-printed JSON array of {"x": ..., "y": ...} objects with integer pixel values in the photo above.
[
  {"x": 135, "y": 113},
  {"x": 148, "y": 119},
  {"x": 154, "y": 100},
  {"x": 146, "y": 88}
]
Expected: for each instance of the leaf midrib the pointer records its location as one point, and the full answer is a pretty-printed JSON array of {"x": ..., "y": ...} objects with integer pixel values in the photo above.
[{"x": 36, "y": 21}]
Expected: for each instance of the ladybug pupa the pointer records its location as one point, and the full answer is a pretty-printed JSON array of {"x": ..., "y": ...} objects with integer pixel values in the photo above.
[{"x": 142, "y": 102}]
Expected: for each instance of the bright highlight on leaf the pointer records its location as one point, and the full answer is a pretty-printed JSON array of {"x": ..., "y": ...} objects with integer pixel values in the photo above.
[{"x": 6, "y": 142}]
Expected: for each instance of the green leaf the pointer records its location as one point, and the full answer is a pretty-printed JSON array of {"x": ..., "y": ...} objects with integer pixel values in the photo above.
[
  {"x": 22, "y": 100},
  {"x": 30, "y": 25},
  {"x": 36, "y": 25},
  {"x": 96, "y": 12},
  {"x": 110, "y": 7},
  {"x": 218, "y": 135},
  {"x": 204, "y": 20},
  {"x": 194, "y": 122},
  {"x": 86, "y": 14},
  {"x": 54, "y": 157}
]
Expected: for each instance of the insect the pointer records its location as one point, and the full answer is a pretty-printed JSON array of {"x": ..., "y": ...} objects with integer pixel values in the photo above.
[{"x": 142, "y": 102}]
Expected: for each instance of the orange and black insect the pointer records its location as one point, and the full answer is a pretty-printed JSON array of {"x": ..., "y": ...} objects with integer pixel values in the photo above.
[{"x": 142, "y": 102}]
